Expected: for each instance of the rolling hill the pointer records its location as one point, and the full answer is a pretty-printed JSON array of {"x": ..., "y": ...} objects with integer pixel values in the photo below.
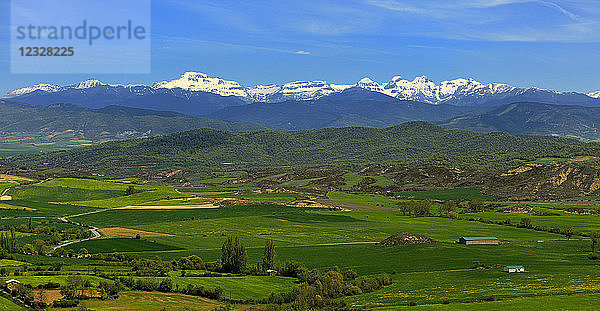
[
  {"x": 111, "y": 122},
  {"x": 412, "y": 142},
  {"x": 534, "y": 119}
]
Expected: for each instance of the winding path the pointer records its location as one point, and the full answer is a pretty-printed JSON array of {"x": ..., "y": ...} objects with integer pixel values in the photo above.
[{"x": 93, "y": 230}]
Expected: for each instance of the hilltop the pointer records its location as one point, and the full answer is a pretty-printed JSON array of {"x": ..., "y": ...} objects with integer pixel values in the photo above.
[{"x": 412, "y": 142}]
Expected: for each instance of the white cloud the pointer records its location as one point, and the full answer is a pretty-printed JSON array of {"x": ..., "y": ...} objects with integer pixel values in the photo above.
[
  {"x": 496, "y": 20},
  {"x": 302, "y": 52}
]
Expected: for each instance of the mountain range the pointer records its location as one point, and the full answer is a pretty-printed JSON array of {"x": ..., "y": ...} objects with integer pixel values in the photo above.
[
  {"x": 110, "y": 122},
  {"x": 534, "y": 119},
  {"x": 459, "y": 103},
  {"x": 352, "y": 107},
  {"x": 195, "y": 85}
]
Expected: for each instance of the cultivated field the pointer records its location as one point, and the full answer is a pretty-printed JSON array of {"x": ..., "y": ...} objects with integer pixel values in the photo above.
[{"x": 162, "y": 224}]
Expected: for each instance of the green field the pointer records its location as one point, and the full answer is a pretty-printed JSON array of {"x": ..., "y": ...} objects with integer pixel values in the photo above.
[
  {"x": 445, "y": 194},
  {"x": 7, "y": 305},
  {"x": 119, "y": 245},
  {"x": 354, "y": 179},
  {"x": 580, "y": 223},
  {"x": 145, "y": 301},
  {"x": 369, "y": 199},
  {"x": 551, "y": 303},
  {"x": 239, "y": 288},
  {"x": 442, "y": 275}
]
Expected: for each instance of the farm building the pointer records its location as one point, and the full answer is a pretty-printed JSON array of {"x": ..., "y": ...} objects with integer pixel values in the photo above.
[
  {"x": 5, "y": 198},
  {"x": 272, "y": 272},
  {"x": 479, "y": 240},
  {"x": 12, "y": 284},
  {"x": 514, "y": 269}
]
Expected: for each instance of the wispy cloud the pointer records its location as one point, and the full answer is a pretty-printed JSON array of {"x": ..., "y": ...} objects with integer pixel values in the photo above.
[
  {"x": 302, "y": 52},
  {"x": 498, "y": 20}
]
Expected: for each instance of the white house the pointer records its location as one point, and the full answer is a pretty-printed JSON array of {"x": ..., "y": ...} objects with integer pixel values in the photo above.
[
  {"x": 514, "y": 269},
  {"x": 5, "y": 198}
]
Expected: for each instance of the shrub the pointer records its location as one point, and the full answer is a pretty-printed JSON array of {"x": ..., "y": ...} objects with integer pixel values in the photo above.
[{"x": 65, "y": 303}]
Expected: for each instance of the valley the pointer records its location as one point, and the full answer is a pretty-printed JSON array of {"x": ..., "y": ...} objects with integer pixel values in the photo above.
[{"x": 163, "y": 231}]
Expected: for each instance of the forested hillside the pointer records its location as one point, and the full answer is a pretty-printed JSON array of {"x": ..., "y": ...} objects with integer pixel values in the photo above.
[
  {"x": 111, "y": 122},
  {"x": 413, "y": 142}
]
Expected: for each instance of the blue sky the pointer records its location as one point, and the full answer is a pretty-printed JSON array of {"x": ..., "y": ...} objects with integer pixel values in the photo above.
[{"x": 548, "y": 44}]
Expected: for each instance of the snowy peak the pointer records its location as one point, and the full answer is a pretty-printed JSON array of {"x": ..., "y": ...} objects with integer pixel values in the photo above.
[
  {"x": 88, "y": 84},
  {"x": 421, "y": 88},
  {"x": 39, "y": 87},
  {"x": 298, "y": 90},
  {"x": 464, "y": 92},
  {"x": 191, "y": 75},
  {"x": 368, "y": 84},
  {"x": 594, "y": 94},
  {"x": 197, "y": 81}
]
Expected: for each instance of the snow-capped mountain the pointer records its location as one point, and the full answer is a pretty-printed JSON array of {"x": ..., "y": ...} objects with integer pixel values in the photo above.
[
  {"x": 594, "y": 94},
  {"x": 460, "y": 92},
  {"x": 299, "y": 90},
  {"x": 40, "y": 87},
  {"x": 199, "y": 82}
]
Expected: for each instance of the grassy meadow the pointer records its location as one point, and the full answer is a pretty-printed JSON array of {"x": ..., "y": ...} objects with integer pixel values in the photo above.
[{"x": 438, "y": 276}]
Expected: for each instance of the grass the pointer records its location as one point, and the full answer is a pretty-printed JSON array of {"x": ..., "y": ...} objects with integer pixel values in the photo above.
[
  {"x": 175, "y": 202},
  {"x": 216, "y": 189},
  {"x": 368, "y": 199},
  {"x": 467, "y": 286},
  {"x": 119, "y": 245},
  {"x": 354, "y": 179},
  {"x": 61, "y": 279},
  {"x": 427, "y": 274},
  {"x": 134, "y": 199},
  {"x": 580, "y": 223},
  {"x": 444, "y": 194},
  {"x": 8, "y": 305},
  {"x": 11, "y": 263},
  {"x": 269, "y": 197},
  {"x": 550, "y": 303},
  {"x": 300, "y": 182},
  {"x": 62, "y": 194},
  {"x": 239, "y": 288},
  {"x": 25, "y": 208},
  {"x": 154, "y": 301},
  {"x": 131, "y": 218},
  {"x": 91, "y": 184}
]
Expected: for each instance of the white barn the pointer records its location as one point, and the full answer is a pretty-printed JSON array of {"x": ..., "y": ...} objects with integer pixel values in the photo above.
[{"x": 514, "y": 269}]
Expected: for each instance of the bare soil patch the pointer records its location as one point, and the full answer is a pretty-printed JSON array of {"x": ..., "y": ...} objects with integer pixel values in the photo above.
[{"x": 118, "y": 232}]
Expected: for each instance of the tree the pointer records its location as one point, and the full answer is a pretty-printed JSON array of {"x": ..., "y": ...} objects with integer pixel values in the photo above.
[
  {"x": 422, "y": 208},
  {"x": 447, "y": 207},
  {"x": 595, "y": 236},
  {"x": 131, "y": 190},
  {"x": 29, "y": 249},
  {"x": 568, "y": 231},
  {"x": 73, "y": 283},
  {"x": 404, "y": 207},
  {"x": 166, "y": 286},
  {"x": 233, "y": 255},
  {"x": 333, "y": 284},
  {"x": 268, "y": 261},
  {"x": 476, "y": 205},
  {"x": 525, "y": 223}
]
